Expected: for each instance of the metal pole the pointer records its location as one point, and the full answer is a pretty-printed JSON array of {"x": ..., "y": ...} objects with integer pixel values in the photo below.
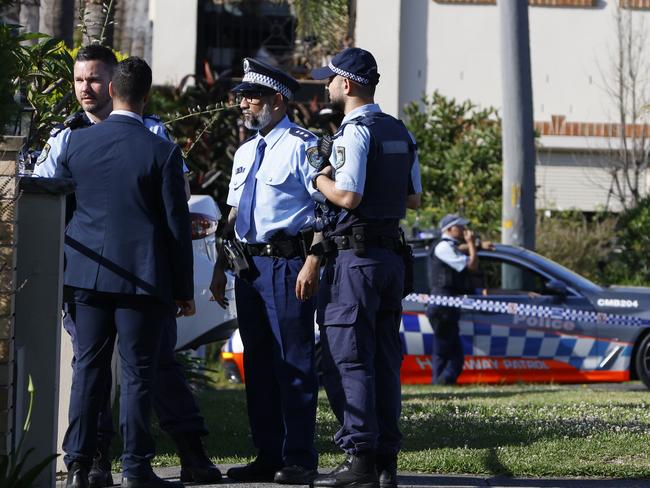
[{"x": 518, "y": 220}]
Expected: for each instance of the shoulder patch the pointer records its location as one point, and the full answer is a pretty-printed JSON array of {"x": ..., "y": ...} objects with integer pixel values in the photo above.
[
  {"x": 43, "y": 156},
  {"x": 314, "y": 158},
  {"x": 303, "y": 134},
  {"x": 340, "y": 157}
]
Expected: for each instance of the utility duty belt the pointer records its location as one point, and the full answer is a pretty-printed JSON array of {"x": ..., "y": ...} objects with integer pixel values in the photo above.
[
  {"x": 238, "y": 254},
  {"x": 355, "y": 241},
  {"x": 287, "y": 249}
]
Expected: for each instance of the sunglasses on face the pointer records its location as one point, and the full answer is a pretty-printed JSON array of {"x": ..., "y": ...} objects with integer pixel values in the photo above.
[{"x": 252, "y": 98}]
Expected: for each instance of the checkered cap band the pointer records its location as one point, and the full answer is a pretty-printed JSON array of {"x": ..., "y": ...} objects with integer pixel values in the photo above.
[
  {"x": 259, "y": 79},
  {"x": 347, "y": 74}
]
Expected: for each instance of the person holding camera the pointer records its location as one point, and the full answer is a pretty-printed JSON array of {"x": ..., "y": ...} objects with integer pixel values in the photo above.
[{"x": 454, "y": 256}]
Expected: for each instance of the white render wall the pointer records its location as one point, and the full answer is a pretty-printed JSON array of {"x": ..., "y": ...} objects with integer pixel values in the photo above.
[
  {"x": 173, "y": 53},
  {"x": 457, "y": 48}
]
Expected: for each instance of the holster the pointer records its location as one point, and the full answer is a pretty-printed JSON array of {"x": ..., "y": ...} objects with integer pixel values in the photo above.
[
  {"x": 237, "y": 256},
  {"x": 409, "y": 260}
]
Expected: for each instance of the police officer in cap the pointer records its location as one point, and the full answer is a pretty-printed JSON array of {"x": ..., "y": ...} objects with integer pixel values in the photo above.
[
  {"x": 174, "y": 404},
  {"x": 272, "y": 216},
  {"x": 373, "y": 178},
  {"x": 454, "y": 258}
]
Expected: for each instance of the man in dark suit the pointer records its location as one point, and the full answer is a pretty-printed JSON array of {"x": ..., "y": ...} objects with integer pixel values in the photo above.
[{"x": 129, "y": 268}]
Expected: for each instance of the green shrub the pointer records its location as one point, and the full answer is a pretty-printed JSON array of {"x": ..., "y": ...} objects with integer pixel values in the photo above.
[
  {"x": 582, "y": 245},
  {"x": 459, "y": 146}
]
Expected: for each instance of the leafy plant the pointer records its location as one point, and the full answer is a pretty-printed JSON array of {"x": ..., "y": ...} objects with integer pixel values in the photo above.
[
  {"x": 13, "y": 472},
  {"x": 45, "y": 78},
  {"x": 459, "y": 147},
  {"x": 582, "y": 245}
]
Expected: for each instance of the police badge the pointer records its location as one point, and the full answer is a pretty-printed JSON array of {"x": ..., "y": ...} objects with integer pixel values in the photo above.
[
  {"x": 340, "y": 157},
  {"x": 43, "y": 156},
  {"x": 314, "y": 158}
]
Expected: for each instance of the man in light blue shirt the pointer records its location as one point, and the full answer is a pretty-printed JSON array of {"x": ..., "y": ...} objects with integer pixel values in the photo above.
[
  {"x": 272, "y": 218},
  {"x": 373, "y": 178}
]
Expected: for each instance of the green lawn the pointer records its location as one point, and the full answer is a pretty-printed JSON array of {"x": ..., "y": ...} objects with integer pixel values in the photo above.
[{"x": 520, "y": 430}]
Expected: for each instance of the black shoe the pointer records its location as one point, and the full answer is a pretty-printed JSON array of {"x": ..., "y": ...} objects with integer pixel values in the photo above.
[
  {"x": 256, "y": 471},
  {"x": 295, "y": 475},
  {"x": 77, "y": 476},
  {"x": 100, "y": 475},
  {"x": 356, "y": 471},
  {"x": 195, "y": 463},
  {"x": 151, "y": 482},
  {"x": 387, "y": 470}
]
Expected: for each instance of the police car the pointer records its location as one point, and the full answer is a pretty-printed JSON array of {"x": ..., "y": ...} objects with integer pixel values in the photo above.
[{"x": 530, "y": 320}]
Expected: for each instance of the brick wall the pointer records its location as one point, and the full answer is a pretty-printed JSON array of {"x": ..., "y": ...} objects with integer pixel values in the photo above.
[
  {"x": 559, "y": 126},
  {"x": 8, "y": 152}
]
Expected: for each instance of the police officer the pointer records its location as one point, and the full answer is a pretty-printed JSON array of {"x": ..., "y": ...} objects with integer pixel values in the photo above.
[
  {"x": 272, "y": 210},
  {"x": 174, "y": 404},
  {"x": 450, "y": 272},
  {"x": 373, "y": 178}
]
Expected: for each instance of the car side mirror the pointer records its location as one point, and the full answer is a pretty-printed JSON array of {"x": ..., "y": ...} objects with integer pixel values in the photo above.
[{"x": 557, "y": 287}]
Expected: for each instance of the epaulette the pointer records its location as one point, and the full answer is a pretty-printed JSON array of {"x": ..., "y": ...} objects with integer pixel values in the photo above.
[
  {"x": 152, "y": 117},
  {"x": 303, "y": 134},
  {"x": 56, "y": 130},
  {"x": 250, "y": 138},
  {"x": 77, "y": 120}
]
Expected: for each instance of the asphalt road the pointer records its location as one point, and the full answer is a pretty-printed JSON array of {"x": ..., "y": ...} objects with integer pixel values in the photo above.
[{"x": 415, "y": 480}]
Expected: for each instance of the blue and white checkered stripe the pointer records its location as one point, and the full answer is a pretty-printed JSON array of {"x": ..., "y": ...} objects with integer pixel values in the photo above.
[
  {"x": 260, "y": 79},
  {"x": 347, "y": 74},
  {"x": 528, "y": 310},
  {"x": 492, "y": 340}
]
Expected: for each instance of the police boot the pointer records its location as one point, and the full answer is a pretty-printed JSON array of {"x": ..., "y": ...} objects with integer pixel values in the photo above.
[
  {"x": 77, "y": 476},
  {"x": 100, "y": 471},
  {"x": 357, "y": 471},
  {"x": 387, "y": 470},
  {"x": 195, "y": 463}
]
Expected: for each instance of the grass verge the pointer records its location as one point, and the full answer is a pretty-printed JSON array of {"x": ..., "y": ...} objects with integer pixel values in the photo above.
[{"x": 519, "y": 430}]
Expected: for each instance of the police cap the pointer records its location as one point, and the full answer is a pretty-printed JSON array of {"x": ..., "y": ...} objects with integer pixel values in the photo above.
[
  {"x": 354, "y": 63},
  {"x": 262, "y": 77},
  {"x": 450, "y": 220}
]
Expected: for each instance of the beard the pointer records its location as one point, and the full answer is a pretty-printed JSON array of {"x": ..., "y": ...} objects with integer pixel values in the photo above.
[{"x": 258, "y": 122}]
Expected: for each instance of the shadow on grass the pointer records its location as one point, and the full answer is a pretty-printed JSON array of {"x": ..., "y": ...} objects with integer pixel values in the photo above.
[{"x": 460, "y": 394}]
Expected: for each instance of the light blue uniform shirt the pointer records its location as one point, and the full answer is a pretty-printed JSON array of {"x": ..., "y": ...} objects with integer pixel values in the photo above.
[
  {"x": 449, "y": 254},
  {"x": 283, "y": 193},
  {"x": 48, "y": 160},
  {"x": 350, "y": 154}
]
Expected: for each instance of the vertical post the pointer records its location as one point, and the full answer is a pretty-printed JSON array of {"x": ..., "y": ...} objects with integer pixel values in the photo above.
[
  {"x": 518, "y": 219},
  {"x": 37, "y": 312}
]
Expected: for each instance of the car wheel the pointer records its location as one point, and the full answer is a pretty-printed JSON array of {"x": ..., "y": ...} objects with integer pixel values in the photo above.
[{"x": 642, "y": 360}]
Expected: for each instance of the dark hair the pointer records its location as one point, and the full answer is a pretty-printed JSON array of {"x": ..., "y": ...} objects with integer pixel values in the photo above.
[
  {"x": 132, "y": 80},
  {"x": 96, "y": 52},
  {"x": 365, "y": 90}
]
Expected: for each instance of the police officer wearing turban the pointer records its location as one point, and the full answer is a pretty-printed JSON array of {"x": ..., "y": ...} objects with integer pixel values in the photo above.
[
  {"x": 272, "y": 213},
  {"x": 373, "y": 178}
]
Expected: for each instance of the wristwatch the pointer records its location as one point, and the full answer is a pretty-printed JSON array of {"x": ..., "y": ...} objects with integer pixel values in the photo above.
[{"x": 313, "y": 180}]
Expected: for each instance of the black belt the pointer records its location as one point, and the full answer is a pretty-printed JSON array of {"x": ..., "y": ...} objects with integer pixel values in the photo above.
[
  {"x": 287, "y": 249},
  {"x": 347, "y": 242}
]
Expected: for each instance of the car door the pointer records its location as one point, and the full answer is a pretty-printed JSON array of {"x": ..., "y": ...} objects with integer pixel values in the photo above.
[{"x": 521, "y": 335}]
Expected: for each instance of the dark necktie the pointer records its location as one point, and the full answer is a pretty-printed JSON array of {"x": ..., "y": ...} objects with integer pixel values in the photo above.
[{"x": 245, "y": 210}]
